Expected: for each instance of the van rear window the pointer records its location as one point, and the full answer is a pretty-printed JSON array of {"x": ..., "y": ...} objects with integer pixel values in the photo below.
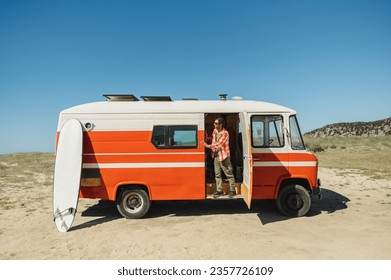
[{"x": 174, "y": 136}]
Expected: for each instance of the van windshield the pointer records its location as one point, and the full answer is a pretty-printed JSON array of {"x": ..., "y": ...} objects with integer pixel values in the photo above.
[{"x": 297, "y": 142}]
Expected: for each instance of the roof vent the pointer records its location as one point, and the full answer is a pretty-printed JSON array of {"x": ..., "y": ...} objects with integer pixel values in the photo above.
[
  {"x": 237, "y": 98},
  {"x": 120, "y": 97},
  {"x": 223, "y": 96},
  {"x": 156, "y": 98}
]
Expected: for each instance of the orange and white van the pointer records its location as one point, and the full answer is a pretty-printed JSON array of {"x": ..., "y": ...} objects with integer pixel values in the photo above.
[{"x": 138, "y": 151}]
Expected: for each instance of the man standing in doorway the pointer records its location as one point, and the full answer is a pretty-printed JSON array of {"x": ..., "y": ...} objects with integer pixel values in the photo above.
[{"x": 222, "y": 157}]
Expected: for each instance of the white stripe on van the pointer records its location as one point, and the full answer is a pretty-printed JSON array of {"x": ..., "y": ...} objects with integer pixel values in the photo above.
[
  {"x": 283, "y": 163},
  {"x": 144, "y": 165},
  {"x": 138, "y": 154},
  {"x": 191, "y": 164}
]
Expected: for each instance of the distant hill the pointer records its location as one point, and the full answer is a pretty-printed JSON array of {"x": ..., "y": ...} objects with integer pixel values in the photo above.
[{"x": 375, "y": 128}]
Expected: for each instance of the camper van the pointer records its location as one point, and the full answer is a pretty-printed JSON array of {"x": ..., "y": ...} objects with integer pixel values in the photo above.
[{"x": 139, "y": 150}]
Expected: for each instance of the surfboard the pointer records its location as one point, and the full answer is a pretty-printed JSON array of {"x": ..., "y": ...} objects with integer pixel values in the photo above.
[{"x": 67, "y": 173}]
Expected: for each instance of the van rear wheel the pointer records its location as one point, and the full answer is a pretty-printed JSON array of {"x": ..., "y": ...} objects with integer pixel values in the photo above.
[
  {"x": 133, "y": 203},
  {"x": 294, "y": 201}
]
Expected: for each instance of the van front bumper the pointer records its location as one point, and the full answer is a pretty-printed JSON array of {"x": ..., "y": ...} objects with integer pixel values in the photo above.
[{"x": 317, "y": 190}]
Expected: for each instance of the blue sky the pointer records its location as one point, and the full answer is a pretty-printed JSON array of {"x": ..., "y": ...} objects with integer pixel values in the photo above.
[{"x": 328, "y": 60}]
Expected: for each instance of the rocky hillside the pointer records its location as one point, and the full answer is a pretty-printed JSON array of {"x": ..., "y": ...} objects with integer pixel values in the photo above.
[{"x": 375, "y": 128}]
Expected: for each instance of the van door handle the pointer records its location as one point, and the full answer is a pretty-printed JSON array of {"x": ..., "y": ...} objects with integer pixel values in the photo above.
[{"x": 256, "y": 158}]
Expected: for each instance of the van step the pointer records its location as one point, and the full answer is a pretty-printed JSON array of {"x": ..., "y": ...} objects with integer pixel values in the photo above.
[{"x": 224, "y": 197}]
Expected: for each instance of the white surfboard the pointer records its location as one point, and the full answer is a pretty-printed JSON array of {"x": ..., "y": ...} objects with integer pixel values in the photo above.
[{"x": 67, "y": 173}]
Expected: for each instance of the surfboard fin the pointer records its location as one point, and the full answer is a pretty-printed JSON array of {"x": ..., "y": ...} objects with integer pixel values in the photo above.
[
  {"x": 64, "y": 225},
  {"x": 69, "y": 211},
  {"x": 72, "y": 211},
  {"x": 57, "y": 213}
]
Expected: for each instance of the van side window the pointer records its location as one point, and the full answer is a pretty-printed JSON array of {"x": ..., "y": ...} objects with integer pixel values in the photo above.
[
  {"x": 159, "y": 136},
  {"x": 295, "y": 134},
  {"x": 267, "y": 131},
  {"x": 174, "y": 136}
]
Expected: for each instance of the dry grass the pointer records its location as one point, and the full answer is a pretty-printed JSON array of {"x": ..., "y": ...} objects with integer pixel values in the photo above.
[
  {"x": 370, "y": 155},
  {"x": 26, "y": 167},
  {"x": 23, "y": 172}
]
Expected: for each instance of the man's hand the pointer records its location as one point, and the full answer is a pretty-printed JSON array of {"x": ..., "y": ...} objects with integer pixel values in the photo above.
[{"x": 202, "y": 142}]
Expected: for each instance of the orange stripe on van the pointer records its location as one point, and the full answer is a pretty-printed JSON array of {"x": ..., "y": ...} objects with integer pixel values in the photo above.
[{"x": 284, "y": 157}]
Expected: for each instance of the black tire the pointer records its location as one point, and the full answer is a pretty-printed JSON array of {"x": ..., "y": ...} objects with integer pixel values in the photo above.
[
  {"x": 294, "y": 201},
  {"x": 133, "y": 203}
]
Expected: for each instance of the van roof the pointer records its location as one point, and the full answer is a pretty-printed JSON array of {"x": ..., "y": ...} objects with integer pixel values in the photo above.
[{"x": 180, "y": 106}]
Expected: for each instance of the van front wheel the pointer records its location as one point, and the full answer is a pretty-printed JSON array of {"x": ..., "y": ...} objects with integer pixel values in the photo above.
[
  {"x": 294, "y": 201},
  {"x": 133, "y": 203}
]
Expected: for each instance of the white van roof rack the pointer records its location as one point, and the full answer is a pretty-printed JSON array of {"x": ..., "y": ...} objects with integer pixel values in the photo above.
[
  {"x": 120, "y": 97},
  {"x": 156, "y": 98}
]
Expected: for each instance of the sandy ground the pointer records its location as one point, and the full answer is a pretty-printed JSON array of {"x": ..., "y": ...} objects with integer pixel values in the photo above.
[{"x": 352, "y": 221}]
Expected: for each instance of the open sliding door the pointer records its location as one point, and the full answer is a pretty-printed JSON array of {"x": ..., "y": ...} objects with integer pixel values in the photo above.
[{"x": 247, "y": 185}]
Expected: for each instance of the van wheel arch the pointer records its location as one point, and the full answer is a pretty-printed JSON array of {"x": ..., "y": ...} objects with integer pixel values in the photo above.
[
  {"x": 295, "y": 181},
  {"x": 133, "y": 201}
]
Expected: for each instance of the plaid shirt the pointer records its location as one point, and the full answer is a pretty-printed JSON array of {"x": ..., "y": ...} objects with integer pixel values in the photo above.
[{"x": 220, "y": 144}]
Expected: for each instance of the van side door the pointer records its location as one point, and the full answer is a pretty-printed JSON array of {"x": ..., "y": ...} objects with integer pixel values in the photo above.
[
  {"x": 247, "y": 185},
  {"x": 271, "y": 157}
]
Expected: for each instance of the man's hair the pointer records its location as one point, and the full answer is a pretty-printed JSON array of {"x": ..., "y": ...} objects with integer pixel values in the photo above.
[{"x": 222, "y": 121}]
